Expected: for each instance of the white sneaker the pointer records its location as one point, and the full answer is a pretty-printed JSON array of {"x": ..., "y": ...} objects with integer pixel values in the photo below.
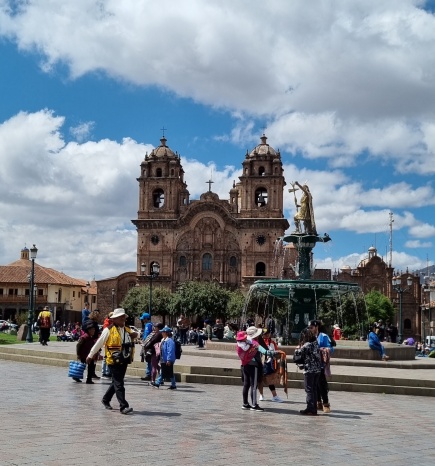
[
  {"x": 277, "y": 399},
  {"x": 261, "y": 398}
]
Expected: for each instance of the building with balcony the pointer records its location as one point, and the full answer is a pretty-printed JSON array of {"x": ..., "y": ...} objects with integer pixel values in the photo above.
[{"x": 63, "y": 294}]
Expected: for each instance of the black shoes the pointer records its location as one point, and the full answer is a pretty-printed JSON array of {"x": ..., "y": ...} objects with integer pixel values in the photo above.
[
  {"x": 305, "y": 412},
  {"x": 172, "y": 387},
  {"x": 89, "y": 381},
  {"x": 155, "y": 385},
  {"x": 256, "y": 408},
  {"x": 126, "y": 410},
  {"x": 146, "y": 378},
  {"x": 106, "y": 405},
  {"x": 247, "y": 407},
  {"x": 77, "y": 380}
]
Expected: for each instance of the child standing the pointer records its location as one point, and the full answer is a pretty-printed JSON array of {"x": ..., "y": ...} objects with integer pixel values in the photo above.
[
  {"x": 310, "y": 353},
  {"x": 84, "y": 345}
]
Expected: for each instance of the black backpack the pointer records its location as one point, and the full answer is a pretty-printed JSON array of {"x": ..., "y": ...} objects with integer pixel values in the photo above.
[{"x": 178, "y": 349}]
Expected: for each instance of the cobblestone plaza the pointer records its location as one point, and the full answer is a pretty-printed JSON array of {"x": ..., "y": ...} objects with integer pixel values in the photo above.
[{"x": 50, "y": 420}]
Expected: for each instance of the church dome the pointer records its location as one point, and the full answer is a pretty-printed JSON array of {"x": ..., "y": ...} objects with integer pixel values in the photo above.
[
  {"x": 163, "y": 150},
  {"x": 263, "y": 149}
]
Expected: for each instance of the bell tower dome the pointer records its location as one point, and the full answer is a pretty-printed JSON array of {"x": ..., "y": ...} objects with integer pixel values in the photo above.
[{"x": 262, "y": 183}]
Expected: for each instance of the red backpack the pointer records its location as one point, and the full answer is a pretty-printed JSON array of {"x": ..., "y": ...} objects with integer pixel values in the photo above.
[{"x": 248, "y": 355}]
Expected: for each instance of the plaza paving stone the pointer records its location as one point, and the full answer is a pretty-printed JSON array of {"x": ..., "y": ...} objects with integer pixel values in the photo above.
[{"x": 47, "y": 419}]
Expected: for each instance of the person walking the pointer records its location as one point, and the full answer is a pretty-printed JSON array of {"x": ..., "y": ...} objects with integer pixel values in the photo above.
[
  {"x": 84, "y": 346},
  {"x": 167, "y": 359},
  {"x": 119, "y": 347},
  {"x": 44, "y": 323},
  {"x": 147, "y": 327},
  {"x": 325, "y": 345}
]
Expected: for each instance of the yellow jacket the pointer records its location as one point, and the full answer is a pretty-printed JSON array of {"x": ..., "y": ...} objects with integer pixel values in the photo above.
[{"x": 114, "y": 343}]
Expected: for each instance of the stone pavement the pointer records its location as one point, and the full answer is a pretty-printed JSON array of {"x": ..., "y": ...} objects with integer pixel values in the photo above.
[{"x": 49, "y": 420}]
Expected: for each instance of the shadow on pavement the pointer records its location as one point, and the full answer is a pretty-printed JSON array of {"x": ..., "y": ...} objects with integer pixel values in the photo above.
[{"x": 156, "y": 413}]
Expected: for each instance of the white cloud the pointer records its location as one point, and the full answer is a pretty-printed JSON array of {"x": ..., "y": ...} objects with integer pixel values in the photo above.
[
  {"x": 333, "y": 80},
  {"x": 418, "y": 244},
  {"x": 75, "y": 201},
  {"x": 82, "y": 131}
]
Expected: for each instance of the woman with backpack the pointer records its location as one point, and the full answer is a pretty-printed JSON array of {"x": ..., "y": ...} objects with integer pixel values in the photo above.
[{"x": 249, "y": 351}]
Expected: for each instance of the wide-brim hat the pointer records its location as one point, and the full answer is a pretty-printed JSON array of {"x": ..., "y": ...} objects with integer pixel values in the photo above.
[
  {"x": 118, "y": 313},
  {"x": 88, "y": 325},
  {"x": 336, "y": 326},
  {"x": 159, "y": 325},
  {"x": 253, "y": 332},
  {"x": 241, "y": 336},
  {"x": 166, "y": 329}
]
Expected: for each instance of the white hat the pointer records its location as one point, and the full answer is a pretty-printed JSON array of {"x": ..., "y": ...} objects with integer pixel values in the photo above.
[
  {"x": 118, "y": 313},
  {"x": 336, "y": 326},
  {"x": 253, "y": 332}
]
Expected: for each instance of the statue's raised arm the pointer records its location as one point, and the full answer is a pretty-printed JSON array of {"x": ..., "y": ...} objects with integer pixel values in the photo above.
[{"x": 306, "y": 212}]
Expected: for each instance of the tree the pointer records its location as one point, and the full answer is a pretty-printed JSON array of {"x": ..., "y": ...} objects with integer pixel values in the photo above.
[
  {"x": 204, "y": 299},
  {"x": 235, "y": 304},
  {"x": 138, "y": 298},
  {"x": 379, "y": 306}
]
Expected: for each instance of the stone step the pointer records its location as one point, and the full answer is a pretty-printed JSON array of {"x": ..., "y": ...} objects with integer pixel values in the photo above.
[
  {"x": 231, "y": 376},
  {"x": 333, "y": 385}
]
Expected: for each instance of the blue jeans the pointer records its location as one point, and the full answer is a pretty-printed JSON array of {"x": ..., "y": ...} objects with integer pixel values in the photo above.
[
  {"x": 148, "y": 369},
  {"x": 160, "y": 380}
]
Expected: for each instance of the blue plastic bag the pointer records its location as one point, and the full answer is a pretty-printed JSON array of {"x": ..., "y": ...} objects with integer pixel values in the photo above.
[{"x": 76, "y": 369}]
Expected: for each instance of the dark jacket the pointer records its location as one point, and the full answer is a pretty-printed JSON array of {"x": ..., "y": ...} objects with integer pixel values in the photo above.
[
  {"x": 84, "y": 346},
  {"x": 157, "y": 338}
]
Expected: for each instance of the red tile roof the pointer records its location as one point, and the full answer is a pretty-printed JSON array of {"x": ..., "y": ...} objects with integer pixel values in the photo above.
[{"x": 18, "y": 272}]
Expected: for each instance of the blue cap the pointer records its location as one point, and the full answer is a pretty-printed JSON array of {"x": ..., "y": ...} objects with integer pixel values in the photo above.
[
  {"x": 145, "y": 315},
  {"x": 166, "y": 329}
]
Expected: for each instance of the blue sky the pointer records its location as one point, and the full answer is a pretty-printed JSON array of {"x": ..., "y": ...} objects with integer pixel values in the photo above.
[{"x": 346, "y": 91}]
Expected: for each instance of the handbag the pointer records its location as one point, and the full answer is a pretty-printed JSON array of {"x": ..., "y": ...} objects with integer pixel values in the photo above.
[
  {"x": 122, "y": 357},
  {"x": 76, "y": 369}
]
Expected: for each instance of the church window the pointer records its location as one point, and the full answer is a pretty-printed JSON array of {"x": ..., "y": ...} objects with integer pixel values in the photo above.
[
  {"x": 159, "y": 173},
  {"x": 233, "y": 261},
  {"x": 261, "y": 197},
  {"x": 261, "y": 171},
  {"x": 158, "y": 198},
  {"x": 206, "y": 261},
  {"x": 260, "y": 269},
  {"x": 172, "y": 172},
  {"x": 182, "y": 261},
  {"x": 407, "y": 324}
]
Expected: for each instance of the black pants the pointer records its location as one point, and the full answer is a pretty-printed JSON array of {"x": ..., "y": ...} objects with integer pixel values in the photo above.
[
  {"x": 251, "y": 376},
  {"x": 311, "y": 380},
  {"x": 322, "y": 389},
  {"x": 44, "y": 335},
  {"x": 91, "y": 371},
  {"x": 183, "y": 336},
  {"x": 117, "y": 385}
]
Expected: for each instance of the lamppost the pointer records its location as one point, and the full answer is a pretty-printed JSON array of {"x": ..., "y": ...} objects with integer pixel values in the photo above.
[
  {"x": 155, "y": 271},
  {"x": 31, "y": 318},
  {"x": 88, "y": 285},
  {"x": 397, "y": 282},
  {"x": 113, "y": 299}
]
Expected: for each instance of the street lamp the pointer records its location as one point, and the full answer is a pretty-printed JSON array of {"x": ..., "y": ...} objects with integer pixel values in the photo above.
[
  {"x": 155, "y": 271},
  {"x": 88, "y": 286},
  {"x": 33, "y": 253},
  {"x": 397, "y": 282},
  {"x": 113, "y": 299}
]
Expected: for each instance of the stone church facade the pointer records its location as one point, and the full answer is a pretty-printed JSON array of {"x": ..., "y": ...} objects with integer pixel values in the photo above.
[{"x": 230, "y": 241}]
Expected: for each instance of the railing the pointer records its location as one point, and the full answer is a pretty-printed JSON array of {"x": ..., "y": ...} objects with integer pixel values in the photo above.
[{"x": 10, "y": 298}]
